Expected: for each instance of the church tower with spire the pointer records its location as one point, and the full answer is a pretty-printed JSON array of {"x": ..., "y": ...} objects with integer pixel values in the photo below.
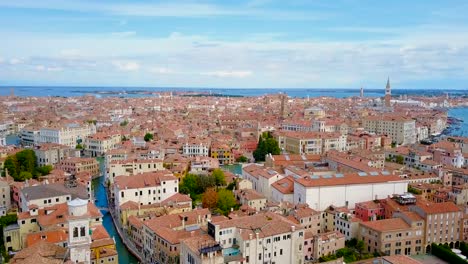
[{"x": 388, "y": 93}]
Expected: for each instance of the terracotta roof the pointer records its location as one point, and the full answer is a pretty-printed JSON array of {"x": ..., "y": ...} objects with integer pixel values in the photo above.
[
  {"x": 40, "y": 253},
  {"x": 285, "y": 185},
  {"x": 347, "y": 179},
  {"x": 144, "y": 180},
  {"x": 387, "y": 225},
  {"x": 438, "y": 208}
]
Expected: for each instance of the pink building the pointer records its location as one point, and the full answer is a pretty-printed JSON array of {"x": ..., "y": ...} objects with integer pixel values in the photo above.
[{"x": 369, "y": 211}]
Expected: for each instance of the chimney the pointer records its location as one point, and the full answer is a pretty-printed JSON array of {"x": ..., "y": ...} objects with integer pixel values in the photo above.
[
  {"x": 293, "y": 228},
  {"x": 257, "y": 235},
  {"x": 192, "y": 233},
  {"x": 250, "y": 236}
]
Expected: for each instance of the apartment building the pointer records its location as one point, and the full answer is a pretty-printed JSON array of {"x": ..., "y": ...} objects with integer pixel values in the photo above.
[
  {"x": 98, "y": 144},
  {"x": 251, "y": 198},
  {"x": 347, "y": 224},
  {"x": 201, "y": 249},
  {"x": 129, "y": 167},
  {"x": 401, "y": 129},
  {"x": 223, "y": 153},
  {"x": 443, "y": 222},
  {"x": 283, "y": 190},
  {"x": 69, "y": 135},
  {"x": 80, "y": 165},
  {"x": 262, "y": 178},
  {"x": 5, "y": 197},
  {"x": 162, "y": 235},
  {"x": 369, "y": 211},
  {"x": 403, "y": 235},
  {"x": 311, "y": 142},
  {"x": 29, "y": 136},
  {"x": 52, "y": 154},
  {"x": 196, "y": 147},
  {"x": 146, "y": 188},
  {"x": 259, "y": 238},
  {"x": 319, "y": 245}
]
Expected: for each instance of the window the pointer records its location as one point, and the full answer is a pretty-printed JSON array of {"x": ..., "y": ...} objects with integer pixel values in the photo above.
[
  {"x": 122, "y": 194},
  {"x": 75, "y": 232},
  {"x": 83, "y": 231},
  {"x": 281, "y": 252}
]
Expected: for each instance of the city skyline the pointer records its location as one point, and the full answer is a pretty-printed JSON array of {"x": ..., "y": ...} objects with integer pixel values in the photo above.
[{"x": 216, "y": 44}]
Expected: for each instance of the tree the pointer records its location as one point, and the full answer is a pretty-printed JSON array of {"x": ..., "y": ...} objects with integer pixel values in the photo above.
[
  {"x": 226, "y": 201},
  {"x": 242, "y": 159},
  {"x": 24, "y": 175},
  {"x": 210, "y": 198},
  {"x": 266, "y": 144},
  {"x": 10, "y": 166},
  {"x": 360, "y": 247},
  {"x": 219, "y": 177},
  {"x": 399, "y": 159},
  {"x": 45, "y": 170},
  {"x": 190, "y": 185},
  {"x": 79, "y": 146},
  {"x": 124, "y": 123},
  {"x": 148, "y": 137}
]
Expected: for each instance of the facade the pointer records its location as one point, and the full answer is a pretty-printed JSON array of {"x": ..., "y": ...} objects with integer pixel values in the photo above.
[
  {"x": 322, "y": 245},
  {"x": 251, "y": 198},
  {"x": 443, "y": 222},
  {"x": 5, "y": 197},
  {"x": 52, "y": 154},
  {"x": 80, "y": 165},
  {"x": 98, "y": 144},
  {"x": 196, "y": 148},
  {"x": 395, "y": 236},
  {"x": 200, "y": 249},
  {"x": 369, "y": 211},
  {"x": 130, "y": 167},
  {"x": 259, "y": 238},
  {"x": 261, "y": 178},
  {"x": 346, "y": 189},
  {"x": 222, "y": 153},
  {"x": 146, "y": 188},
  {"x": 311, "y": 142},
  {"x": 402, "y": 130},
  {"x": 69, "y": 135},
  {"x": 79, "y": 239}
]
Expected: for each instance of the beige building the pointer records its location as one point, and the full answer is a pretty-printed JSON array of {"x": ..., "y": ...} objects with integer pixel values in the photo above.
[
  {"x": 311, "y": 142},
  {"x": 130, "y": 167},
  {"x": 403, "y": 235},
  {"x": 99, "y": 144},
  {"x": 401, "y": 129},
  {"x": 201, "y": 249},
  {"x": 251, "y": 198},
  {"x": 5, "y": 197},
  {"x": 12, "y": 238},
  {"x": 80, "y": 165},
  {"x": 443, "y": 222},
  {"x": 51, "y": 153},
  {"x": 69, "y": 135},
  {"x": 319, "y": 245}
]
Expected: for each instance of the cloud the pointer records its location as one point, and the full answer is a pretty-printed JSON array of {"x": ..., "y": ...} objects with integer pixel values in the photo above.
[
  {"x": 161, "y": 70},
  {"x": 229, "y": 74},
  {"x": 15, "y": 61},
  {"x": 123, "y": 34},
  {"x": 126, "y": 65},
  {"x": 43, "y": 68}
]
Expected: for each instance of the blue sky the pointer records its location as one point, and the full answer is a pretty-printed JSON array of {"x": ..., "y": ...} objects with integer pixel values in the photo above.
[{"x": 256, "y": 43}]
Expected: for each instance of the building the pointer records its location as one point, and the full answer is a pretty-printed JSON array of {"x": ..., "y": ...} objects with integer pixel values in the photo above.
[
  {"x": 145, "y": 189},
  {"x": 200, "y": 249},
  {"x": 46, "y": 195},
  {"x": 223, "y": 153},
  {"x": 262, "y": 178},
  {"x": 52, "y": 154},
  {"x": 69, "y": 135},
  {"x": 311, "y": 142},
  {"x": 251, "y": 198},
  {"x": 369, "y": 211},
  {"x": 442, "y": 222},
  {"x": 283, "y": 190},
  {"x": 319, "y": 245},
  {"x": 202, "y": 165},
  {"x": 5, "y": 197},
  {"x": 388, "y": 94},
  {"x": 396, "y": 236},
  {"x": 130, "y": 167},
  {"x": 346, "y": 189},
  {"x": 80, "y": 165},
  {"x": 401, "y": 129},
  {"x": 79, "y": 239},
  {"x": 196, "y": 147},
  {"x": 259, "y": 238},
  {"x": 98, "y": 144}
]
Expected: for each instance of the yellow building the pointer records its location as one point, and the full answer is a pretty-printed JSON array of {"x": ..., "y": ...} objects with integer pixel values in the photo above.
[{"x": 103, "y": 249}]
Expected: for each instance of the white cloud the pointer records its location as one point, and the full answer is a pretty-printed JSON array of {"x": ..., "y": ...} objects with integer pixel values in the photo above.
[
  {"x": 123, "y": 34},
  {"x": 126, "y": 65},
  {"x": 15, "y": 61},
  {"x": 161, "y": 70},
  {"x": 230, "y": 74},
  {"x": 43, "y": 68}
]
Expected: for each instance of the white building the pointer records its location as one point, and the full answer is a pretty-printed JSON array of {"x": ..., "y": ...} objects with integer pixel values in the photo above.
[
  {"x": 69, "y": 135},
  {"x": 132, "y": 167},
  {"x": 260, "y": 238},
  {"x": 319, "y": 192},
  {"x": 79, "y": 238},
  {"x": 196, "y": 148},
  {"x": 262, "y": 178},
  {"x": 99, "y": 144},
  {"x": 145, "y": 188}
]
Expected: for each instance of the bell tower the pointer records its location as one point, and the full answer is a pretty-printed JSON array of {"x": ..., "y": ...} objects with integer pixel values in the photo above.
[
  {"x": 79, "y": 238},
  {"x": 388, "y": 93}
]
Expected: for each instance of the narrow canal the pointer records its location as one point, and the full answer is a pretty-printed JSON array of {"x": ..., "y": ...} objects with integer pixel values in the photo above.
[{"x": 101, "y": 201}]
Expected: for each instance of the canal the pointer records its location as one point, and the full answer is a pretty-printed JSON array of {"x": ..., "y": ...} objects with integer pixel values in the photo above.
[{"x": 101, "y": 201}]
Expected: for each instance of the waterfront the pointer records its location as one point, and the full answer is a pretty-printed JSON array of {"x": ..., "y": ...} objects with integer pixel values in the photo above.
[
  {"x": 101, "y": 201},
  {"x": 460, "y": 129}
]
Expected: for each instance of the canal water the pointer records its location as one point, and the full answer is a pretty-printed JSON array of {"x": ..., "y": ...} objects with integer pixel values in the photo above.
[
  {"x": 101, "y": 201},
  {"x": 462, "y": 128}
]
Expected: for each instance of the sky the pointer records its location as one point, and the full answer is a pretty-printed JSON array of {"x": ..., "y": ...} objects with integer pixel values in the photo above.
[{"x": 238, "y": 43}]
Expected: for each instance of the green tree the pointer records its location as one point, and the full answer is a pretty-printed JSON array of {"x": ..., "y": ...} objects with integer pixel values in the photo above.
[
  {"x": 45, "y": 170},
  {"x": 360, "y": 247},
  {"x": 124, "y": 123},
  {"x": 24, "y": 175},
  {"x": 148, "y": 137},
  {"x": 79, "y": 146},
  {"x": 10, "y": 165},
  {"x": 27, "y": 160},
  {"x": 260, "y": 152},
  {"x": 219, "y": 177},
  {"x": 242, "y": 159},
  {"x": 399, "y": 159},
  {"x": 226, "y": 201}
]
